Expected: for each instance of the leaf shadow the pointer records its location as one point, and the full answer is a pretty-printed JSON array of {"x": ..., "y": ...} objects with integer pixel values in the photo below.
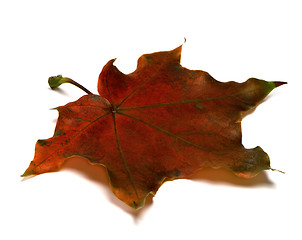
[
  {"x": 27, "y": 178},
  {"x": 98, "y": 174},
  {"x": 60, "y": 91},
  {"x": 252, "y": 110},
  {"x": 224, "y": 176}
]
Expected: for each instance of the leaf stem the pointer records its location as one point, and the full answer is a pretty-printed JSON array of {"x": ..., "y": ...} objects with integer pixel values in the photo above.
[{"x": 56, "y": 81}]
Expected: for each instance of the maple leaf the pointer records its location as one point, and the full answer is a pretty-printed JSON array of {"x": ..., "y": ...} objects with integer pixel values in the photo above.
[{"x": 159, "y": 123}]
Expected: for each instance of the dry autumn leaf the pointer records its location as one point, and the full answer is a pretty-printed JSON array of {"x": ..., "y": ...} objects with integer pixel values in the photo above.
[{"x": 159, "y": 123}]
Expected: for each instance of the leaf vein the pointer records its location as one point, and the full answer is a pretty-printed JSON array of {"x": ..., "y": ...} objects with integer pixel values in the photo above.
[
  {"x": 123, "y": 157},
  {"x": 69, "y": 140},
  {"x": 181, "y": 103},
  {"x": 165, "y": 132}
]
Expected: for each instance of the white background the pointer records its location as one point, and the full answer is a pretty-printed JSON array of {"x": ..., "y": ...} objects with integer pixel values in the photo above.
[{"x": 232, "y": 40}]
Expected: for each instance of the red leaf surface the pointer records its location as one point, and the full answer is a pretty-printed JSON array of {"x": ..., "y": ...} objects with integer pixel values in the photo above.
[{"x": 159, "y": 123}]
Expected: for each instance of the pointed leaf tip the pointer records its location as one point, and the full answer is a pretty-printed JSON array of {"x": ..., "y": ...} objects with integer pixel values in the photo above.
[
  {"x": 272, "y": 169},
  {"x": 277, "y": 84},
  {"x": 26, "y": 174}
]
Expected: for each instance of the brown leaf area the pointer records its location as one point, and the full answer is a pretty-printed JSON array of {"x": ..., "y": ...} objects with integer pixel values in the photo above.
[{"x": 159, "y": 123}]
